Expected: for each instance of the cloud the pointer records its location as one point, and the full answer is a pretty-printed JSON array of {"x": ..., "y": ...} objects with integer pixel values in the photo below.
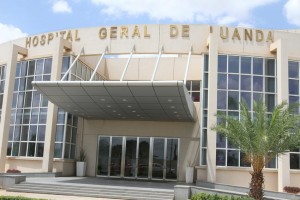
[
  {"x": 291, "y": 12},
  {"x": 225, "y": 12},
  {"x": 61, "y": 6},
  {"x": 10, "y": 32}
]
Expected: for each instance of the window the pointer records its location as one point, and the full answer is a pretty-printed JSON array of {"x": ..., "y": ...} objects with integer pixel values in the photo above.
[
  {"x": 2, "y": 84},
  {"x": 194, "y": 89},
  {"x": 293, "y": 67},
  {"x": 240, "y": 78},
  {"x": 29, "y": 110}
]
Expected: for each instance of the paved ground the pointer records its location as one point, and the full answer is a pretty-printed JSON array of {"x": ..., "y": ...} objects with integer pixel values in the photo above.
[
  {"x": 91, "y": 182},
  {"x": 102, "y": 182},
  {"x": 47, "y": 196}
]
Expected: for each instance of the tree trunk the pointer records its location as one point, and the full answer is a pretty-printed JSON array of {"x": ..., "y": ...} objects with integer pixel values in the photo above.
[{"x": 257, "y": 185}]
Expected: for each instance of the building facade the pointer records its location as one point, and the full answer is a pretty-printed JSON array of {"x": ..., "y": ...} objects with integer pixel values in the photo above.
[{"x": 141, "y": 100}]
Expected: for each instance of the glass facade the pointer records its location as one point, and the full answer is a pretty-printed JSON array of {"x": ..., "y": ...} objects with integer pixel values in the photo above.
[
  {"x": 29, "y": 113},
  {"x": 66, "y": 135},
  {"x": 81, "y": 72},
  {"x": 240, "y": 78},
  {"x": 2, "y": 84},
  {"x": 29, "y": 109},
  {"x": 193, "y": 86},
  {"x": 294, "y": 95}
]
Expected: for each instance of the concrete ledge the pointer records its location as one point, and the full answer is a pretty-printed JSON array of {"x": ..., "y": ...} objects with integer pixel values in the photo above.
[
  {"x": 182, "y": 192},
  {"x": 7, "y": 181},
  {"x": 36, "y": 174},
  {"x": 243, "y": 190}
]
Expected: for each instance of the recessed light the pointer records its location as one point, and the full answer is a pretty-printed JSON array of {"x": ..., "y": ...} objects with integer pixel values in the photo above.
[
  {"x": 129, "y": 106},
  {"x": 138, "y": 115},
  {"x": 108, "y": 106},
  {"x": 170, "y": 100},
  {"x": 124, "y": 99},
  {"x": 133, "y": 111},
  {"x": 172, "y": 107},
  {"x": 114, "y": 111},
  {"x": 119, "y": 114},
  {"x": 175, "y": 112},
  {"x": 102, "y": 99}
]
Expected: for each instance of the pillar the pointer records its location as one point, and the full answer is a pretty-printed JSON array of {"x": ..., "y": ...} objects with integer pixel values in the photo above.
[
  {"x": 7, "y": 100},
  {"x": 280, "y": 48},
  {"x": 59, "y": 46},
  {"x": 212, "y": 106}
]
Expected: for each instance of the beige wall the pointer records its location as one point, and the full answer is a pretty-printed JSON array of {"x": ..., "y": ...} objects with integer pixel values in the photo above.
[{"x": 187, "y": 132}]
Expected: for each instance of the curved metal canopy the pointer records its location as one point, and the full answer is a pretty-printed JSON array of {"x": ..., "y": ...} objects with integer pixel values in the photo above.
[{"x": 121, "y": 100}]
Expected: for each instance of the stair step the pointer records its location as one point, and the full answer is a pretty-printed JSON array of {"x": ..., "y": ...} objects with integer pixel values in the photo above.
[
  {"x": 113, "y": 192},
  {"x": 113, "y": 196}
]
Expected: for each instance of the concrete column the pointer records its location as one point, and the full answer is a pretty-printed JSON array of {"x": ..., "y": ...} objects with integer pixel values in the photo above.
[
  {"x": 60, "y": 45},
  {"x": 280, "y": 47},
  {"x": 7, "y": 100},
  {"x": 212, "y": 106}
]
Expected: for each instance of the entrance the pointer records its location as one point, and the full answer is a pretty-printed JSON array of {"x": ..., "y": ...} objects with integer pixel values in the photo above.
[{"x": 138, "y": 157}]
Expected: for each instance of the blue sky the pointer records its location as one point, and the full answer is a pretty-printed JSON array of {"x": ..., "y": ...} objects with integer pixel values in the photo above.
[{"x": 19, "y": 18}]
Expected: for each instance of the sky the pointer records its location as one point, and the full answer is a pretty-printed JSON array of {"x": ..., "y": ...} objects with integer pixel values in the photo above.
[{"x": 20, "y": 18}]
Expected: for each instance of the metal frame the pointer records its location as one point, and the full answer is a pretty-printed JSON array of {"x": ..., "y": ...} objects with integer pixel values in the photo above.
[
  {"x": 126, "y": 66},
  {"x": 150, "y": 162},
  {"x": 98, "y": 64},
  {"x": 157, "y": 61},
  {"x": 73, "y": 63},
  {"x": 187, "y": 65}
]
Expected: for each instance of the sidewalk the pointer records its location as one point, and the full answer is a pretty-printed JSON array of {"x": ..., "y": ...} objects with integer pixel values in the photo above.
[{"x": 48, "y": 196}]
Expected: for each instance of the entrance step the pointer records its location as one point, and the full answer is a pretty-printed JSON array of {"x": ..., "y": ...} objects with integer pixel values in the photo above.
[{"x": 113, "y": 192}]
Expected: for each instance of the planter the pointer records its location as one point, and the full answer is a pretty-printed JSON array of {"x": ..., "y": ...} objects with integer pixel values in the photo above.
[
  {"x": 189, "y": 174},
  {"x": 80, "y": 168}
]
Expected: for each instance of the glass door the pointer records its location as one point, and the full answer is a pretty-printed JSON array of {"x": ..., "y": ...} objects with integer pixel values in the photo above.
[
  {"x": 103, "y": 156},
  {"x": 158, "y": 158},
  {"x": 116, "y": 156},
  {"x": 143, "y": 157},
  {"x": 130, "y": 157},
  {"x": 138, "y": 157},
  {"x": 172, "y": 159}
]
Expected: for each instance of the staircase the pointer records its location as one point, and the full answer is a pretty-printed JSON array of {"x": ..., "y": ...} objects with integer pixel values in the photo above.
[{"x": 99, "y": 191}]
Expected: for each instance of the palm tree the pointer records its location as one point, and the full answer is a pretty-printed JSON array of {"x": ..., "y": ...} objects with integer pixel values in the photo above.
[{"x": 262, "y": 136}]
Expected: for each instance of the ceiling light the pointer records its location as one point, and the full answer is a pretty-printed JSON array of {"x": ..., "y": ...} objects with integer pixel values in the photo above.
[
  {"x": 102, "y": 99},
  {"x": 129, "y": 106},
  {"x": 133, "y": 111},
  {"x": 108, "y": 106},
  {"x": 124, "y": 99},
  {"x": 114, "y": 111},
  {"x": 172, "y": 107},
  {"x": 175, "y": 112},
  {"x": 170, "y": 100}
]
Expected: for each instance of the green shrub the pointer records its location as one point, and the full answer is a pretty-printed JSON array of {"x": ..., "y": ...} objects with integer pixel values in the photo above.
[
  {"x": 205, "y": 196},
  {"x": 16, "y": 198}
]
